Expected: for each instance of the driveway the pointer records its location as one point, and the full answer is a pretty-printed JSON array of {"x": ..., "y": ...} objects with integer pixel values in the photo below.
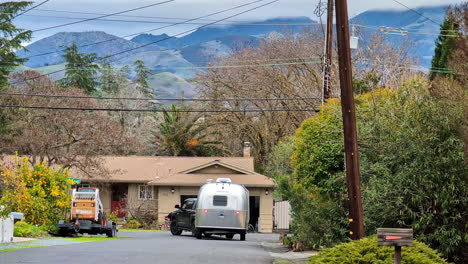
[{"x": 150, "y": 247}]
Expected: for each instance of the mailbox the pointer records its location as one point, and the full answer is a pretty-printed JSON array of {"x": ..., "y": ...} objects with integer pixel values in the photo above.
[{"x": 395, "y": 237}]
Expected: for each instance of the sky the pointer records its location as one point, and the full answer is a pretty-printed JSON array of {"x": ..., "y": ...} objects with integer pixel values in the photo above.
[{"x": 40, "y": 18}]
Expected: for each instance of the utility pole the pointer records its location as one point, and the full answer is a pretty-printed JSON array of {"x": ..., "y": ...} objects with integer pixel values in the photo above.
[
  {"x": 328, "y": 52},
  {"x": 349, "y": 122}
]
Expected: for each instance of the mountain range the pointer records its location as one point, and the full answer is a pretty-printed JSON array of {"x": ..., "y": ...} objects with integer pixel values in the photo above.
[{"x": 177, "y": 56}]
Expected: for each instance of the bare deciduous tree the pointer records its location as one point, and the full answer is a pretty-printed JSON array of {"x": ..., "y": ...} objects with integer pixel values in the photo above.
[
  {"x": 72, "y": 139},
  {"x": 283, "y": 66}
]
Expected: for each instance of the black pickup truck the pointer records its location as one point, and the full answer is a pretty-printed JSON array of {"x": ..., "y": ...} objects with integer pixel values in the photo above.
[{"x": 183, "y": 219}]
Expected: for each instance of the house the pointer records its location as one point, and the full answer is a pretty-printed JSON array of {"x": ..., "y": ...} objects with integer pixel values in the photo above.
[{"x": 154, "y": 185}]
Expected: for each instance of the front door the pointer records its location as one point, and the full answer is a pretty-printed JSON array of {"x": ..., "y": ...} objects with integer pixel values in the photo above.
[{"x": 119, "y": 194}]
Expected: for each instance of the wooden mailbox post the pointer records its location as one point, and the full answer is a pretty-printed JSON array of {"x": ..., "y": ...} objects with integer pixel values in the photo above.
[{"x": 395, "y": 237}]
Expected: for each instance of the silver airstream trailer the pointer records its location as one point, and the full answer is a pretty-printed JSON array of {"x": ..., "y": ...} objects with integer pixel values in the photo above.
[{"x": 222, "y": 209}]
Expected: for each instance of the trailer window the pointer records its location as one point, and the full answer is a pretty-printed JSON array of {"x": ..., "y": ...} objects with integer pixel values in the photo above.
[{"x": 219, "y": 200}]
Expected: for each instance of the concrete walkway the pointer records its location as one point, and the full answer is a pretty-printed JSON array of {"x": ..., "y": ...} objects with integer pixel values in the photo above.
[{"x": 283, "y": 255}]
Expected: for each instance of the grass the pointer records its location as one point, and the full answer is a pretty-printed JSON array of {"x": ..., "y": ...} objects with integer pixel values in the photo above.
[
  {"x": 140, "y": 230},
  {"x": 91, "y": 238},
  {"x": 18, "y": 248}
]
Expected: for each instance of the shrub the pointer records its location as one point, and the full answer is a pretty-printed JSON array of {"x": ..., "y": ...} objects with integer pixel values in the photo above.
[
  {"x": 23, "y": 229},
  {"x": 38, "y": 191},
  {"x": 366, "y": 251},
  {"x": 132, "y": 224}
]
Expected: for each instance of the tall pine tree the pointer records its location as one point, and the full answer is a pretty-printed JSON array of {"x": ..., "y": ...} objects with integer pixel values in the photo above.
[
  {"x": 444, "y": 47},
  {"x": 80, "y": 70},
  {"x": 11, "y": 38},
  {"x": 142, "y": 75}
]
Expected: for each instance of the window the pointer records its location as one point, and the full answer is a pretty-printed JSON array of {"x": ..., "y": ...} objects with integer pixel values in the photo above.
[
  {"x": 219, "y": 200},
  {"x": 145, "y": 192},
  {"x": 188, "y": 205}
]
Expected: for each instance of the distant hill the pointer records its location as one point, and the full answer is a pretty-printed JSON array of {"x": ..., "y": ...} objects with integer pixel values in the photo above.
[
  {"x": 55, "y": 43},
  {"x": 424, "y": 31},
  {"x": 204, "y": 52},
  {"x": 220, "y": 31},
  {"x": 176, "y": 60},
  {"x": 168, "y": 85}
]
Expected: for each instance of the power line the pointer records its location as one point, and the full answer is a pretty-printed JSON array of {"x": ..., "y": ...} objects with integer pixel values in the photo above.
[
  {"x": 169, "y": 37},
  {"x": 151, "y": 30},
  {"x": 27, "y": 10},
  {"x": 160, "y": 99},
  {"x": 217, "y": 66},
  {"x": 156, "y": 110},
  {"x": 185, "y": 23},
  {"x": 94, "y": 18},
  {"x": 187, "y": 31},
  {"x": 415, "y": 11}
]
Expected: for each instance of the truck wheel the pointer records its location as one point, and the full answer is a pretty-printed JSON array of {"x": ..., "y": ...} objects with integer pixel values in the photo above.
[
  {"x": 63, "y": 232},
  {"x": 174, "y": 229},
  {"x": 112, "y": 232},
  {"x": 242, "y": 237},
  {"x": 229, "y": 236},
  {"x": 198, "y": 234}
]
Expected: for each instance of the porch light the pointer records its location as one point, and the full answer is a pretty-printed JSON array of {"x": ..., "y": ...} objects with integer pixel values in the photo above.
[
  {"x": 172, "y": 190},
  {"x": 267, "y": 191}
]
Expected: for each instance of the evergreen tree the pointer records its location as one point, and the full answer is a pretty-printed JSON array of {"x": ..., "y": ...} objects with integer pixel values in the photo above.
[
  {"x": 444, "y": 47},
  {"x": 142, "y": 75},
  {"x": 80, "y": 69},
  {"x": 112, "y": 79},
  {"x": 11, "y": 38}
]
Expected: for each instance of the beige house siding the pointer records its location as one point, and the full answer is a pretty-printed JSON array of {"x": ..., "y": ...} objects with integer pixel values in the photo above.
[
  {"x": 167, "y": 200},
  {"x": 135, "y": 205},
  {"x": 265, "y": 221},
  {"x": 106, "y": 196}
]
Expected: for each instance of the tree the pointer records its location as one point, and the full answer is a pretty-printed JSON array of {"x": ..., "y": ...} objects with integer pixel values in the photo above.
[
  {"x": 80, "y": 69},
  {"x": 72, "y": 139},
  {"x": 39, "y": 191},
  {"x": 282, "y": 66},
  {"x": 12, "y": 38},
  {"x": 142, "y": 75},
  {"x": 379, "y": 63},
  {"x": 444, "y": 47},
  {"x": 183, "y": 134},
  {"x": 112, "y": 79},
  {"x": 412, "y": 170}
]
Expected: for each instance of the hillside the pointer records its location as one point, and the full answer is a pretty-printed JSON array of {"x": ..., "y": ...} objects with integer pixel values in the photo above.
[{"x": 110, "y": 44}]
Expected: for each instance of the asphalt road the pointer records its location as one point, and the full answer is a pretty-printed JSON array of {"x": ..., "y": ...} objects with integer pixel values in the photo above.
[{"x": 150, "y": 247}]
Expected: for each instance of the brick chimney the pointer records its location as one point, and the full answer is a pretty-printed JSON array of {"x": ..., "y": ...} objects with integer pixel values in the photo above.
[{"x": 246, "y": 149}]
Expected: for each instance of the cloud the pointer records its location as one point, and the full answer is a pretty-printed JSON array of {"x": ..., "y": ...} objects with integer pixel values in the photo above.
[{"x": 186, "y": 9}]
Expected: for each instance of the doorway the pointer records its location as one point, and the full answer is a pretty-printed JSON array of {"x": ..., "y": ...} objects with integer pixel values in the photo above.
[
  {"x": 119, "y": 194},
  {"x": 254, "y": 210}
]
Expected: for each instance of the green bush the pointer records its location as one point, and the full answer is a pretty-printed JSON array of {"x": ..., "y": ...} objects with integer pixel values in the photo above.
[
  {"x": 366, "y": 251},
  {"x": 132, "y": 224},
  {"x": 23, "y": 229}
]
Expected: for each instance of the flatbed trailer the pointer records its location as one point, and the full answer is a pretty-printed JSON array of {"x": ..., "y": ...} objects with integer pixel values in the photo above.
[{"x": 87, "y": 215}]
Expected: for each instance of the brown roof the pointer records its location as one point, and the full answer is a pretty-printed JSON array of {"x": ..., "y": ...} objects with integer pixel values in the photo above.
[{"x": 178, "y": 171}]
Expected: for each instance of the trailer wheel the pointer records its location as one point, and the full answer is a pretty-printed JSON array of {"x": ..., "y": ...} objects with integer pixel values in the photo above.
[
  {"x": 198, "y": 234},
  {"x": 112, "y": 232},
  {"x": 242, "y": 237},
  {"x": 229, "y": 236}
]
